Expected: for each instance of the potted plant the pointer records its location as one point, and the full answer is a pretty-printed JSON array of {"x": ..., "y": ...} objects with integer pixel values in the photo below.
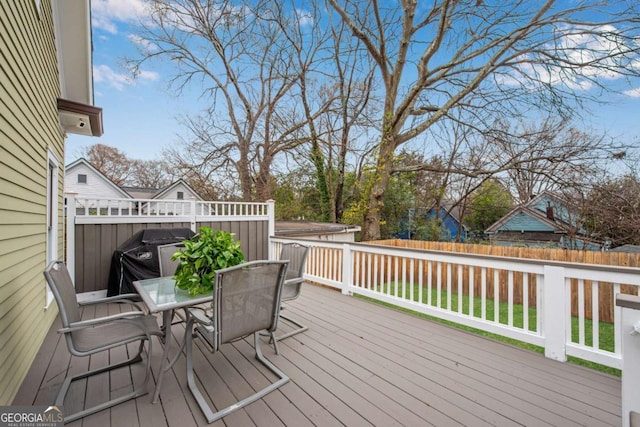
[{"x": 202, "y": 255}]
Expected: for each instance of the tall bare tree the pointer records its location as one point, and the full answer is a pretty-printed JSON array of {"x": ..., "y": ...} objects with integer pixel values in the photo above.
[
  {"x": 550, "y": 156},
  {"x": 246, "y": 66},
  {"x": 481, "y": 57},
  {"x": 113, "y": 163}
]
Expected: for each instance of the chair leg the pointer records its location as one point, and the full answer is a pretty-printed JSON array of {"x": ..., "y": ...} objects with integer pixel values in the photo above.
[
  {"x": 141, "y": 391},
  {"x": 301, "y": 327},
  {"x": 197, "y": 394},
  {"x": 274, "y": 340}
]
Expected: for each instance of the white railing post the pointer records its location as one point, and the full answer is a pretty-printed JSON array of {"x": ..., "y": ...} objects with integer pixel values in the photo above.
[
  {"x": 554, "y": 314},
  {"x": 271, "y": 213},
  {"x": 630, "y": 305},
  {"x": 71, "y": 235},
  {"x": 192, "y": 215},
  {"x": 347, "y": 269}
]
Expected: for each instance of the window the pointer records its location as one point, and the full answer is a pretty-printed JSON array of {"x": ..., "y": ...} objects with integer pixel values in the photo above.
[
  {"x": 180, "y": 195},
  {"x": 82, "y": 178}
]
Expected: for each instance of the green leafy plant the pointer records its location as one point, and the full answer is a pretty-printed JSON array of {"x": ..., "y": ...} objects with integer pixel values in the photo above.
[{"x": 202, "y": 255}]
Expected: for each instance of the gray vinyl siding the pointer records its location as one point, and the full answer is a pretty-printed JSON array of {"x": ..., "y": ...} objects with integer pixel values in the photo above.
[{"x": 29, "y": 126}]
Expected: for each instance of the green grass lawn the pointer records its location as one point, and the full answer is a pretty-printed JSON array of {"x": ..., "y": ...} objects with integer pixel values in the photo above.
[{"x": 606, "y": 336}]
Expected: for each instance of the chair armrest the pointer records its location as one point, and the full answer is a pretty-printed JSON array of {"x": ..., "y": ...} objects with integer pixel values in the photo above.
[
  {"x": 294, "y": 281},
  {"x": 130, "y": 299},
  {"x": 200, "y": 316},
  {"x": 124, "y": 298},
  {"x": 75, "y": 326}
]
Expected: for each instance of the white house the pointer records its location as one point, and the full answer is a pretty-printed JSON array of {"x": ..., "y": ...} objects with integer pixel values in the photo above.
[
  {"x": 82, "y": 179},
  {"x": 85, "y": 181}
]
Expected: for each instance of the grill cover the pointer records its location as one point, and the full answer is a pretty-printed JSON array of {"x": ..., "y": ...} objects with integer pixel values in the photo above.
[{"x": 137, "y": 258}]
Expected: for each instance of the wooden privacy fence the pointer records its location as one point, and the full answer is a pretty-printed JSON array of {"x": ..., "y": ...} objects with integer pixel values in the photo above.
[{"x": 458, "y": 273}]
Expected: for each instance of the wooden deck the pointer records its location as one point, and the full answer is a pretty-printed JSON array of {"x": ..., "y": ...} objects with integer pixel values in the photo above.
[{"x": 359, "y": 364}]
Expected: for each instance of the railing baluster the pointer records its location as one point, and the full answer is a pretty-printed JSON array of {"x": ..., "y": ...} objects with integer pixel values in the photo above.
[
  {"x": 411, "y": 282},
  {"x": 581, "y": 312},
  {"x": 460, "y": 292},
  {"x": 510, "y": 298},
  {"x": 617, "y": 313},
  {"x": 429, "y": 282},
  {"x": 483, "y": 297},
  {"x": 395, "y": 276},
  {"x": 595, "y": 314},
  {"x": 404, "y": 278},
  {"x": 472, "y": 299},
  {"x": 420, "y": 281},
  {"x": 439, "y": 285},
  {"x": 525, "y": 301},
  {"x": 449, "y": 278},
  {"x": 496, "y": 295}
]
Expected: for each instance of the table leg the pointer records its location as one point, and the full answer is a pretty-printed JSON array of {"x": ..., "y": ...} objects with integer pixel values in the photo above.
[{"x": 167, "y": 315}]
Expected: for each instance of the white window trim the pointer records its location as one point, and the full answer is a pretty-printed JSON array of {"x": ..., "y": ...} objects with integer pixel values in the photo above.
[{"x": 52, "y": 215}]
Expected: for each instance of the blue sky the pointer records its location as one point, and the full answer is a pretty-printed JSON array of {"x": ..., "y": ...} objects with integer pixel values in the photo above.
[{"x": 141, "y": 116}]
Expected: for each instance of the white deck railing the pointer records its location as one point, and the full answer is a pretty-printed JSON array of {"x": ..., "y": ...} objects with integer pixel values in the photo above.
[
  {"x": 96, "y": 210},
  {"x": 532, "y": 301}
]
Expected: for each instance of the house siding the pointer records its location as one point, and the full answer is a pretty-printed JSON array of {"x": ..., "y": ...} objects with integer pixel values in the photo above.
[
  {"x": 522, "y": 222},
  {"x": 172, "y": 194},
  {"x": 96, "y": 185},
  {"x": 29, "y": 128},
  {"x": 559, "y": 211}
]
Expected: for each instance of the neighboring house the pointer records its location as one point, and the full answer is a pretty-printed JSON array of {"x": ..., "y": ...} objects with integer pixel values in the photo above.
[
  {"x": 452, "y": 229},
  {"x": 178, "y": 190},
  {"x": 629, "y": 249},
  {"x": 316, "y": 230},
  {"x": 544, "y": 221},
  {"x": 47, "y": 90},
  {"x": 84, "y": 180},
  {"x": 81, "y": 178}
]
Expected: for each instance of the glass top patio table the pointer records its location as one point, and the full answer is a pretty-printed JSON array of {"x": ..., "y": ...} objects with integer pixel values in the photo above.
[{"x": 160, "y": 295}]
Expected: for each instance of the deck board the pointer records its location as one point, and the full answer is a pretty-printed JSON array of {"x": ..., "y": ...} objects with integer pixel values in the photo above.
[{"x": 359, "y": 364}]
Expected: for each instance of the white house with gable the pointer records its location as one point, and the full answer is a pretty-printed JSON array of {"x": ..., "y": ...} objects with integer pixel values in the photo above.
[
  {"x": 91, "y": 187},
  {"x": 82, "y": 179}
]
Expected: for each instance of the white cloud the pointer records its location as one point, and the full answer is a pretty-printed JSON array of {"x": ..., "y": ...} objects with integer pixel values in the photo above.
[
  {"x": 634, "y": 93},
  {"x": 147, "y": 75},
  {"x": 104, "y": 74},
  {"x": 105, "y": 14},
  {"x": 145, "y": 44},
  {"x": 590, "y": 54},
  {"x": 304, "y": 17}
]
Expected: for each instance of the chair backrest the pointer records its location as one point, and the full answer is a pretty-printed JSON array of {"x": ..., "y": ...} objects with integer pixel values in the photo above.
[
  {"x": 64, "y": 292},
  {"x": 247, "y": 299},
  {"x": 296, "y": 254},
  {"x": 167, "y": 265}
]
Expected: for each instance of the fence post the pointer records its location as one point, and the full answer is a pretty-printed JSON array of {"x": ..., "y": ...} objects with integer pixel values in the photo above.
[
  {"x": 630, "y": 305},
  {"x": 71, "y": 235},
  {"x": 194, "y": 226},
  {"x": 554, "y": 320},
  {"x": 347, "y": 269},
  {"x": 271, "y": 213}
]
